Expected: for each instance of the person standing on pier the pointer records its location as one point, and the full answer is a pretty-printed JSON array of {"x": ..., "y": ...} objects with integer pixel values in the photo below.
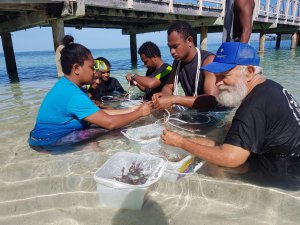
[
  {"x": 157, "y": 71},
  {"x": 199, "y": 86},
  {"x": 238, "y": 20}
]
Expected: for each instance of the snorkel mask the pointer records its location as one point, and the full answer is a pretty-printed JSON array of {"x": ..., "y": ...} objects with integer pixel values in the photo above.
[{"x": 99, "y": 65}]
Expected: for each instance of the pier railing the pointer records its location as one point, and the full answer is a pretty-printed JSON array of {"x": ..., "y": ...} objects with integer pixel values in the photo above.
[
  {"x": 273, "y": 11},
  {"x": 21, "y": 14}
]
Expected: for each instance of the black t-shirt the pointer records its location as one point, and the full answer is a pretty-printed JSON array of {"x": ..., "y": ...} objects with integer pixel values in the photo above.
[
  {"x": 106, "y": 88},
  {"x": 162, "y": 74},
  {"x": 187, "y": 75},
  {"x": 267, "y": 121}
]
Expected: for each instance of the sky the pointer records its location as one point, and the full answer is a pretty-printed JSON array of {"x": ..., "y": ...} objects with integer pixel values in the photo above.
[{"x": 40, "y": 38}]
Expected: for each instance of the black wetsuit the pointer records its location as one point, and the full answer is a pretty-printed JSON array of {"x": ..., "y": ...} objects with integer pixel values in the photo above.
[
  {"x": 106, "y": 88},
  {"x": 162, "y": 74}
]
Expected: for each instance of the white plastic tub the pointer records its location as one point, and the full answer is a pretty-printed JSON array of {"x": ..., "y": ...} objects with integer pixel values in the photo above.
[
  {"x": 117, "y": 194},
  {"x": 130, "y": 103},
  {"x": 144, "y": 134}
]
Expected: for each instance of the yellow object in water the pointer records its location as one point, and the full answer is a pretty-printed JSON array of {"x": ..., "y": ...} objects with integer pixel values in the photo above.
[{"x": 186, "y": 165}]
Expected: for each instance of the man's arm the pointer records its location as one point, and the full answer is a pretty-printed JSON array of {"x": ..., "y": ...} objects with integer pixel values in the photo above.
[
  {"x": 224, "y": 155},
  {"x": 208, "y": 100},
  {"x": 210, "y": 87},
  {"x": 147, "y": 82}
]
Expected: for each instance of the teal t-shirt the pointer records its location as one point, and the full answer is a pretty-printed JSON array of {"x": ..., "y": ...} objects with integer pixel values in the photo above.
[{"x": 62, "y": 111}]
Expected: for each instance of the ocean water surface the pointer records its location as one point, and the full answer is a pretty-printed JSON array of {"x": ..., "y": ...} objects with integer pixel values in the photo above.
[{"x": 41, "y": 188}]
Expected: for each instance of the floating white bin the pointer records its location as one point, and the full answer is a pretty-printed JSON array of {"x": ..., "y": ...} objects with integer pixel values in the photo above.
[
  {"x": 117, "y": 194},
  {"x": 130, "y": 103},
  {"x": 144, "y": 134}
]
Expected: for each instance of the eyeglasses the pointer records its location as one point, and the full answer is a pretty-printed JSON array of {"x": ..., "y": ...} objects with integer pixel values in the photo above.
[{"x": 99, "y": 65}]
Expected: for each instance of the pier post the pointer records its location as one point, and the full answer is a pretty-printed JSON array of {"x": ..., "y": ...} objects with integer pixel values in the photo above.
[
  {"x": 203, "y": 38},
  {"x": 262, "y": 38},
  {"x": 9, "y": 56},
  {"x": 294, "y": 40},
  {"x": 278, "y": 40},
  {"x": 58, "y": 32},
  {"x": 298, "y": 39},
  {"x": 133, "y": 49}
]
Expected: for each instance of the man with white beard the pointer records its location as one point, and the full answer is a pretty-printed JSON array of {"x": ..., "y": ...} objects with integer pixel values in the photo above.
[{"x": 267, "y": 121}]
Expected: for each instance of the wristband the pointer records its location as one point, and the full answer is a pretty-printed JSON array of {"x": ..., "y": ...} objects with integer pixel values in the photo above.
[{"x": 132, "y": 77}]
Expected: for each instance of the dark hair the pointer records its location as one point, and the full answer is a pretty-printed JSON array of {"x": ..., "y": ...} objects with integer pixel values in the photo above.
[
  {"x": 67, "y": 39},
  {"x": 105, "y": 61},
  {"x": 71, "y": 54},
  {"x": 149, "y": 49},
  {"x": 182, "y": 28}
]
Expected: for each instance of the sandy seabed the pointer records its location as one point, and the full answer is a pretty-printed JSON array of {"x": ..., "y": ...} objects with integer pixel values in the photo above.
[{"x": 54, "y": 189}]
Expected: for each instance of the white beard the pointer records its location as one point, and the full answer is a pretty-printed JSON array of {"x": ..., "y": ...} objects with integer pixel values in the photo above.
[{"x": 232, "y": 96}]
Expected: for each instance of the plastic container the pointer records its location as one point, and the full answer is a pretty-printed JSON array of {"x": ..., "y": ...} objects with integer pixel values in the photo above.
[
  {"x": 175, "y": 174},
  {"x": 130, "y": 103},
  {"x": 144, "y": 134},
  {"x": 117, "y": 194},
  {"x": 180, "y": 163}
]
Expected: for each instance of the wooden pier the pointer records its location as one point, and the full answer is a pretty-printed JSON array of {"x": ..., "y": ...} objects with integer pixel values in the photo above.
[{"x": 140, "y": 16}]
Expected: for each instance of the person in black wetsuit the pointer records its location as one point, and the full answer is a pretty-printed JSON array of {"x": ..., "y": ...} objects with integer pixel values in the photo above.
[
  {"x": 107, "y": 85},
  {"x": 199, "y": 86},
  {"x": 267, "y": 120},
  {"x": 157, "y": 71}
]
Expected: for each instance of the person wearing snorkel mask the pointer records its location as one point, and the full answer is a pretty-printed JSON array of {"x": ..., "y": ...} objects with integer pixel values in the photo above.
[
  {"x": 107, "y": 85},
  {"x": 92, "y": 89}
]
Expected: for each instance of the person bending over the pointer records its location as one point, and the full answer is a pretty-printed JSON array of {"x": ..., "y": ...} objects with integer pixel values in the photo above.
[
  {"x": 198, "y": 86},
  {"x": 157, "y": 72},
  {"x": 67, "y": 108},
  {"x": 266, "y": 121}
]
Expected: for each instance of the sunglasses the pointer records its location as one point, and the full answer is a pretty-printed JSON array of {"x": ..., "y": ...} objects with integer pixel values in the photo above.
[{"x": 99, "y": 65}]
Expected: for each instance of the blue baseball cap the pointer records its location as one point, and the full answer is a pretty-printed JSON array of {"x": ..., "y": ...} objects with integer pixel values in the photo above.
[{"x": 231, "y": 54}]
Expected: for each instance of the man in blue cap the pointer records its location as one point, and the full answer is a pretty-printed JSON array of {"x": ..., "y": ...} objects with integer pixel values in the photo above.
[{"x": 267, "y": 120}]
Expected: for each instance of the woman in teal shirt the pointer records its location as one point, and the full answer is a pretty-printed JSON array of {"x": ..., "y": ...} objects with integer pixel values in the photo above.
[{"x": 67, "y": 111}]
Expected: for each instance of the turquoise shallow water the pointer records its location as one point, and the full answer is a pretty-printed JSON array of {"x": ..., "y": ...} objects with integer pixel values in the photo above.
[{"x": 38, "y": 188}]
